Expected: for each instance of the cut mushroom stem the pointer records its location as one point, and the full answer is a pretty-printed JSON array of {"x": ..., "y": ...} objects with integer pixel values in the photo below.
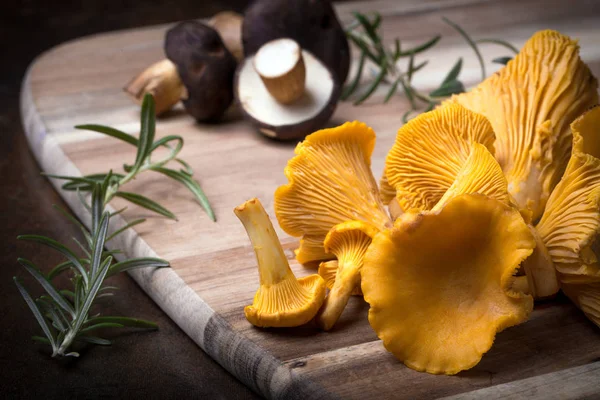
[
  {"x": 540, "y": 271},
  {"x": 280, "y": 65},
  {"x": 282, "y": 300},
  {"x": 349, "y": 241},
  {"x": 162, "y": 81}
]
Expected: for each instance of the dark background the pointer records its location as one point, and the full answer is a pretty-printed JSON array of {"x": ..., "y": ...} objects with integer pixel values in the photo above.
[{"x": 162, "y": 364}]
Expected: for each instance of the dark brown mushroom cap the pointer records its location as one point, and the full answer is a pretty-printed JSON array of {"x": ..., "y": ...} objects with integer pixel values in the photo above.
[
  {"x": 205, "y": 67},
  {"x": 311, "y": 23}
]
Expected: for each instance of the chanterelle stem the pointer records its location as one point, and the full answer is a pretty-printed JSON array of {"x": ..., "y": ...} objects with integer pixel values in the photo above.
[{"x": 273, "y": 265}]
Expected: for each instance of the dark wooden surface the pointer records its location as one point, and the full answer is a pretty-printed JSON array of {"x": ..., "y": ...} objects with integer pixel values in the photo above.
[{"x": 163, "y": 364}]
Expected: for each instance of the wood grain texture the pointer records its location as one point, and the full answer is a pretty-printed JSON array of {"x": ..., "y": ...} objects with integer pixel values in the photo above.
[{"x": 214, "y": 274}]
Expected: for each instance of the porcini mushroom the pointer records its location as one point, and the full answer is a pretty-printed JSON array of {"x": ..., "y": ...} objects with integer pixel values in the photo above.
[
  {"x": 349, "y": 242},
  {"x": 281, "y": 300},
  {"x": 330, "y": 182},
  {"x": 430, "y": 151},
  {"x": 205, "y": 67},
  {"x": 439, "y": 284},
  {"x": 286, "y": 91},
  {"x": 530, "y": 104}
]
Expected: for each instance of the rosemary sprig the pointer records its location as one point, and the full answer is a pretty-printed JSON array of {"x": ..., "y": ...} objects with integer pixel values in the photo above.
[
  {"x": 364, "y": 33},
  {"x": 146, "y": 145},
  {"x": 65, "y": 315}
]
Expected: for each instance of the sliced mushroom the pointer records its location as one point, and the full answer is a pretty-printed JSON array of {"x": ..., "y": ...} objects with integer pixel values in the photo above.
[{"x": 291, "y": 117}]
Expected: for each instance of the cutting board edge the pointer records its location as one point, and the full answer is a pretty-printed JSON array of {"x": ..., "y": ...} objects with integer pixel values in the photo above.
[{"x": 261, "y": 372}]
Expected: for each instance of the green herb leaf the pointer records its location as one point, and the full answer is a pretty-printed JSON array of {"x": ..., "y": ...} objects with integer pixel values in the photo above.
[
  {"x": 124, "y": 228},
  {"x": 97, "y": 206},
  {"x": 101, "y": 325},
  {"x": 91, "y": 295},
  {"x": 351, "y": 88},
  {"x": 76, "y": 222},
  {"x": 371, "y": 87},
  {"x": 363, "y": 47},
  {"x": 471, "y": 43},
  {"x": 94, "y": 340},
  {"x": 98, "y": 245},
  {"x": 125, "y": 321},
  {"x": 454, "y": 72},
  {"x": 112, "y": 132},
  {"x": 36, "y": 313},
  {"x": 502, "y": 60},
  {"x": 146, "y": 203},
  {"x": 501, "y": 43},
  {"x": 448, "y": 89},
  {"x": 392, "y": 91},
  {"x": 133, "y": 263},
  {"x": 370, "y": 30},
  {"x": 186, "y": 167},
  {"x": 147, "y": 130},
  {"x": 47, "y": 285},
  {"x": 53, "y": 244},
  {"x": 192, "y": 185},
  {"x": 421, "y": 48}
]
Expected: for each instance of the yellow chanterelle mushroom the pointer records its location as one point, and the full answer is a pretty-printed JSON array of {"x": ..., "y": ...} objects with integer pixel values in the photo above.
[
  {"x": 281, "y": 300},
  {"x": 570, "y": 225},
  {"x": 330, "y": 182},
  {"x": 349, "y": 242},
  {"x": 530, "y": 104},
  {"x": 439, "y": 284},
  {"x": 431, "y": 150}
]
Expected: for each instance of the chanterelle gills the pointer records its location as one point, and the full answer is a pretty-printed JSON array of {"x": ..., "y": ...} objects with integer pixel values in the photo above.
[
  {"x": 281, "y": 300},
  {"x": 330, "y": 182},
  {"x": 571, "y": 222},
  {"x": 450, "y": 148},
  {"x": 530, "y": 104},
  {"x": 439, "y": 284}
]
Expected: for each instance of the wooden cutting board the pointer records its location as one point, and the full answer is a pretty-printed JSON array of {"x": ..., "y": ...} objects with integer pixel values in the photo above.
[{"x": 214, "y": 275}]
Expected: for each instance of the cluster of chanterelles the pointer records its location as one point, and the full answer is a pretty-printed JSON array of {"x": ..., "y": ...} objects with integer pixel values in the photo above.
[{"x": 494, "y": 200}]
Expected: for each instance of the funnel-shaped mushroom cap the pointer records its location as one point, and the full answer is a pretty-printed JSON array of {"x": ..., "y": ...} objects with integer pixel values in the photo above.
[
  {"x": 430, "y": 151},
  {"x": 530, "y": 104},
  {"x": 440, "y": 283},
  {"x": 349, "y": 242},
  {"x": 282, "y": 300},
  {"x": 330, "y": 182}
]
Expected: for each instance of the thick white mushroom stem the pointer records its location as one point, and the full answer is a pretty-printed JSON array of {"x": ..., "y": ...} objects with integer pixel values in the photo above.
[
  {"x": 162, "y": 81},
  {"x": 280, "y": 65},
  {"x": 273, "y": 266},
  {"x": 540, "y": 271}
]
